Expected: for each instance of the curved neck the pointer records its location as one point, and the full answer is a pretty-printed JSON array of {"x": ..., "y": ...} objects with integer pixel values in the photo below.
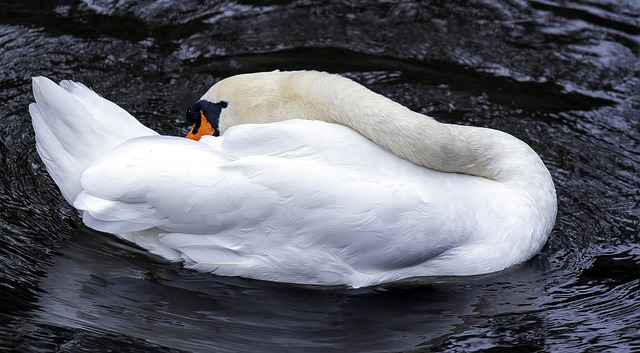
[{"x": 420, "y": 139}]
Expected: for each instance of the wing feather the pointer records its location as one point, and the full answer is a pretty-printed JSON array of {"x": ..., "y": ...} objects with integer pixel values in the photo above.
[{"x": 277, "y": 192}]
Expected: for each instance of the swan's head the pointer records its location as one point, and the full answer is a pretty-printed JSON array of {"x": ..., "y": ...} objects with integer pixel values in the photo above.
[{"x": 260, "y": 98}]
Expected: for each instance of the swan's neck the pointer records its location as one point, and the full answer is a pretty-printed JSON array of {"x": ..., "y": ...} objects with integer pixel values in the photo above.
[{"x": 481, "y": 152}]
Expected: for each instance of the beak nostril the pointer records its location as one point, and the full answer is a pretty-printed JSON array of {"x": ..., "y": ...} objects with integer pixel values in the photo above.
[{"x": 196, "y": 126}]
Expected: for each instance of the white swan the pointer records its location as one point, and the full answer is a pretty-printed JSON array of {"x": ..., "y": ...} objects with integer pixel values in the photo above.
[{"x": 339, "y": 186}]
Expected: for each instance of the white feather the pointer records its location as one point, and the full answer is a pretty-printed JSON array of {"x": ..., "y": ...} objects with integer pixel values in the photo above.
[
  {"x": 300, "y": 201},
  {"x": 74, "y": 126}
]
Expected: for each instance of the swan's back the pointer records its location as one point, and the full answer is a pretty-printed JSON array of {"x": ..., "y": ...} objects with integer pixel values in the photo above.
[{"x": 283, "y": 202}]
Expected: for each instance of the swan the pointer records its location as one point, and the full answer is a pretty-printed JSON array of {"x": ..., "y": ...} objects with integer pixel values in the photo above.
[{"x": 301, "y": 177}]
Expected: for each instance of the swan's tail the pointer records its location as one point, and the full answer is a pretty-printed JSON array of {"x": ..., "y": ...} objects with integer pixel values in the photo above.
[{"x": 74, "y": 126}]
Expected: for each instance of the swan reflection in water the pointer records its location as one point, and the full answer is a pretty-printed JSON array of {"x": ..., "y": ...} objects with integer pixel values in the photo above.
[{"x": 137, "y": 296}]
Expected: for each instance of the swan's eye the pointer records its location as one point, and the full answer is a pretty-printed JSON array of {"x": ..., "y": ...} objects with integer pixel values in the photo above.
[
  {"x": 193, "y": 114},
  {"x": 211, "y": 111}
]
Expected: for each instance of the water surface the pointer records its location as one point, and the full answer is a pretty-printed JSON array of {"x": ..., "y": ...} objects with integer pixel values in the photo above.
[{"x": 564, "y": 76}]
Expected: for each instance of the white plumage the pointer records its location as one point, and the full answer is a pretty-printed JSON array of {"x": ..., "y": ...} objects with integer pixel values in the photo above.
[{"x": 300, "y": 201}]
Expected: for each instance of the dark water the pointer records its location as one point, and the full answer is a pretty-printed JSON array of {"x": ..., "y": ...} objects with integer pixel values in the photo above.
[{"x": 563, "y": 76}]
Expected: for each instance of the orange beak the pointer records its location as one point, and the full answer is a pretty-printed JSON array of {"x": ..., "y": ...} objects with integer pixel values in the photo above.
[{"x": 204, "y": 129}]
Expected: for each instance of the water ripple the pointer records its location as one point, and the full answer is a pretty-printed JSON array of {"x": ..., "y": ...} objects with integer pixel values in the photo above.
[{"x": 561, "y": 76}]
